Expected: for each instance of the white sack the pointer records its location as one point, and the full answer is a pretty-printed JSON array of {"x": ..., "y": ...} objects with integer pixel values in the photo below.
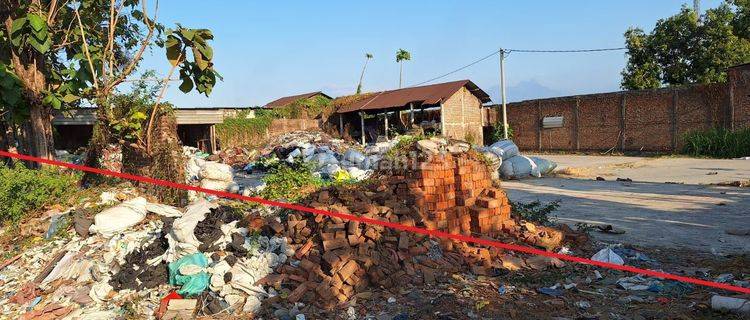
[
  {"x": 518, "y": 167},
  {"x": 216, "y": 171},
  {"x": 545, "y": 166},
  {"x": 505, "y": 149},
  {"x": 111, "y": 221}
]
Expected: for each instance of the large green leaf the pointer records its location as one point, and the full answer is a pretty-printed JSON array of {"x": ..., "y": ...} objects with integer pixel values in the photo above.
[
  {"x": 187, "y": 85},
  {"x": 70, "y": 98},
  {"x": 37, "y": 23},
  {"x": 41, "y": 46},
  {"x": 174, "y": 49},
  {"x": 202, "y": 63},
  {"x": 187, "y": 33},
  {"x": 18, "y": 24},
  {"x": 206, "y": 50}
]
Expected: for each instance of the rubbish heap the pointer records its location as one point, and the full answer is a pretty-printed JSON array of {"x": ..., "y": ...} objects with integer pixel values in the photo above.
[{"x": 332, "y": 159}]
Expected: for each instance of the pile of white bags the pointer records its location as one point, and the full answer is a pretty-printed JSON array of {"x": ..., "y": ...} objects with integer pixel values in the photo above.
[
  {"x": 216, "y": 176},
  {"x": 513, "y": 165},
  {"x": 504, "y": 149}
]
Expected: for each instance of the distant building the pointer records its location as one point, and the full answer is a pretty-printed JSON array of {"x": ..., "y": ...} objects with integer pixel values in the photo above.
[
  {"x": 453, "y": 109},
  {"x": 285, "y": 101},
  {"x": 195, "y": 126}
]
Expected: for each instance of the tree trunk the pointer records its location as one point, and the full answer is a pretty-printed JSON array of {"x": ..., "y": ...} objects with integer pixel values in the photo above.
[
  {"x": 100, "y": 138},
  {"x": 41, "y": 132},
  {"x": 28, "y": 66}
]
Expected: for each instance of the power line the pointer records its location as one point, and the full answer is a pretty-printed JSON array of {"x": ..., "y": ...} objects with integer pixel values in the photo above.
[
  {"x": 508, "y": 51},
  {"x": 566, "y": 51},
  {"x": 459, "y": 69}
]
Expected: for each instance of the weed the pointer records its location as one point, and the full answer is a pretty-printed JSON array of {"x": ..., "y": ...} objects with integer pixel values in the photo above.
[
  {"x": 290, "y": 182},
  {"x": 498, "y": 133},
  {"x": 534, "y": 211},
  {"x": 718, "y": 143},
  {"x": 24, "y": 190}
]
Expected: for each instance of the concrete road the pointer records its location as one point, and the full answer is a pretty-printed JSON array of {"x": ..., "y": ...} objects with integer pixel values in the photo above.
[
  {"x": 655, "y": 169},
  {"x": 653, "y": 213}
]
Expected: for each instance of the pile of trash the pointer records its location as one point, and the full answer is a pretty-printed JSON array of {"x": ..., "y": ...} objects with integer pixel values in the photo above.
[
  {"x": 145, "y": 259},
  {"x": 332, "y": 159},
  {"x": 514, "y": 165}
]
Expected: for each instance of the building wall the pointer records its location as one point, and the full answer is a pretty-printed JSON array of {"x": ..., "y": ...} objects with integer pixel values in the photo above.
[
  {"x": 739, "y": 79},
  {"x": 643, "y": 120},
  {"x": 282, "y": 126},
  {"x": 462, "y": 117}
]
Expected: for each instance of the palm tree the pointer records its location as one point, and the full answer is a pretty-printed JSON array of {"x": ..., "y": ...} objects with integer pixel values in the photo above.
[
  {"x": 368, "y": 56},
  {"x": 401, "y": 56}
]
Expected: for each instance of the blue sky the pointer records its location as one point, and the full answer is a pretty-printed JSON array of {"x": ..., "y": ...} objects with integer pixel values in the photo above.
[{"x": 268, "y": 49}]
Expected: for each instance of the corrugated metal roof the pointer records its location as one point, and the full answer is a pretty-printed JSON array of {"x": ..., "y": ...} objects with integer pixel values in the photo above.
[
  {"x": 400, "y": 98},
  {"x": 280, "y": 102},
  {"x": 87, "y": 116}
]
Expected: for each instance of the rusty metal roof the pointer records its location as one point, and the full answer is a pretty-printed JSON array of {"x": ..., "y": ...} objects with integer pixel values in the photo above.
[
  {"x": 400, "y": 98},
  {"x": 283, "y": 101}
]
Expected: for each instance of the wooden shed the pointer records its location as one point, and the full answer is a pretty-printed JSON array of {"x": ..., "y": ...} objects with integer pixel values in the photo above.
[{"x": 453, "y": 109}]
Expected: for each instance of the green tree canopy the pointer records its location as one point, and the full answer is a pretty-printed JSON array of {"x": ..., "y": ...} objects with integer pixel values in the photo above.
[{"x": 688, "y": 48}]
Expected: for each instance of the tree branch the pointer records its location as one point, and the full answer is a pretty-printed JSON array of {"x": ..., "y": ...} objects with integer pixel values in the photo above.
[
  {"x": 165, "y": 85},
  {"x": 144, "y": 44},
  {"x": 86, "y": 50}
]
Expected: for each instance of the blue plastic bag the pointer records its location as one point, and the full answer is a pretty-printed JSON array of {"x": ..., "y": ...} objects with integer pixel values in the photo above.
[{"x": 191, "y": 284}]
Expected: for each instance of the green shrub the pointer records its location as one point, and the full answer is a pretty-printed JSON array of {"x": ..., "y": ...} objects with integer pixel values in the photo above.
[
  {"x": 718, "y": 143},
  {"x": 239, "y": 131},
  {"x": 534, "y": 211},
  {"x": 25, "y": 190},
  {"x": 290, "y": 182},
  {"x": 498, "y": 133}
]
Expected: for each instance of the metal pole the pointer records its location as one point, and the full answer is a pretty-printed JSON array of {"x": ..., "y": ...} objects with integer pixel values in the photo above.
[
  {"x": 502, "y": 89},
  {"x": 385, "y": 116},
  {"x": 341, "y": 124},
  {"x": 362, "y": 123},
  {"x": 411, "y": 114}
]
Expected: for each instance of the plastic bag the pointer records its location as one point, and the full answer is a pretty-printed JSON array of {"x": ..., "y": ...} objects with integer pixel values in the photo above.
[
  {"x": 324, "y": 159},
  {"x": 111, "y": 221},
  {"x": 329, "y": 169},
  {"x": 354, "y": 156},
  {"x": 545, "y": 166},
  {"x": 192, "y": 284},
  {"x": 609, "y": 256},
  {"x": 181, "y": 238},
  {"x": 371, "y": 162},
  {"x": 358, "y": 174},
  {"x": 341, "y": 176},
  {"x": 216, "y": 171},
  {"x": 505, "y": 149},
  {"x": 519, "y": 167}
]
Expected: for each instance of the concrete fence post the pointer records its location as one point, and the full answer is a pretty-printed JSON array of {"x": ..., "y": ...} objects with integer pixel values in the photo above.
[
  {"x": 576, "y": 134},
  {"x": 673, "y": 116},
  {"x": 539, "y": 125},
  {"x": 622, "y": 122}
]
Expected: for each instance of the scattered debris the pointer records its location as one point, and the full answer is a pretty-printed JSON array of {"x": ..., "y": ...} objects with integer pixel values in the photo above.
[
  {"x": 609, "y": 256},
  {"x": 730, "y": 304}
]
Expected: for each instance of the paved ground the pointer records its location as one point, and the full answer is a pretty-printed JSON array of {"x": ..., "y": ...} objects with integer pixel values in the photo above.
[
  {"x": 692, "y": 215},
  {"x": 655, "y": 169}
]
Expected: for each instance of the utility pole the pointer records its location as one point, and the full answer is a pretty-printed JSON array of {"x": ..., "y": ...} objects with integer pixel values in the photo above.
[{"x": 502, "y": 90}]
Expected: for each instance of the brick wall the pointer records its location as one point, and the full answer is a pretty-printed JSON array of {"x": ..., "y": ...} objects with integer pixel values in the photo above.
[
  {"x": 642, "y": 120},
  {"x": 739, "y": 79},
  {"x": 281, "y": 126},
  {"x": 462, "y": 116}
]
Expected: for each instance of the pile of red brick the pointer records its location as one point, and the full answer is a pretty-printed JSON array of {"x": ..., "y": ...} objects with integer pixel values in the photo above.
[
  {"x": 454, "y": 194},
  {"x": 338, "y": 259}
]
